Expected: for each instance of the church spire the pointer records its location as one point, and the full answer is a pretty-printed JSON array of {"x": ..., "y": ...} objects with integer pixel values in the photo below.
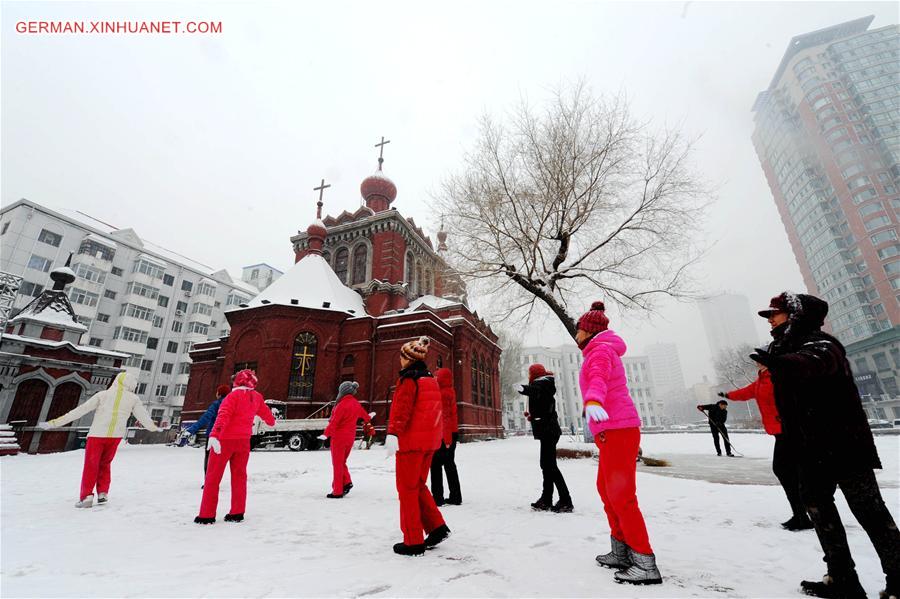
[
  {"x": 377, "y": 190},
  {"x": 316, "y": 232}
]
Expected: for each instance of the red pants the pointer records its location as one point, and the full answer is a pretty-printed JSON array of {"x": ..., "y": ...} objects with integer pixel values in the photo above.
[
  {"x": 237, "y": 453},
  {"x": 340, "y": 451},
  {"x": 616, "y": 483},
  {"x": 418, "y": 511},
  {"x": 98, "y": 455}
]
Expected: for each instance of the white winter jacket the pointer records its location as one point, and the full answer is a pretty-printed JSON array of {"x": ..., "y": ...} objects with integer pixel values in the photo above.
[{"x": 113, "y": 407}]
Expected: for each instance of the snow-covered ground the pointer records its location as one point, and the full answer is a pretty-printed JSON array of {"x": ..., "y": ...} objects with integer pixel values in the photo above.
[{"x": 712, "y": 540}]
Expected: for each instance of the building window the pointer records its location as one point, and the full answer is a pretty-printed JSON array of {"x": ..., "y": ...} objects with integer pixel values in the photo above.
[
  {"x": 103, "y": 317},
  {"x": 156, "y": 415},
  {"x": 157, "y": 322},
  {"x": 474, "y": 376},
  {"x": 186, "y": 286},
  {"x": 167, "y": 368},
  {"x": 142, "y": 290},
  {"x": 235, "y": 300},
  {"x": 188, "y": 346},
  {"x": 146, "y": 267},
  {"x": 360, "y": 259},
  {"x": 883, "y": 237},
  {"x": 141, "y": 388},
  {"x": 39, "y": 263},
  {"x": 116, "y": 271},
  {"x": 881, "y": 361},
  {"x": 128, "y": 334},
  {"x": 176, "y": 417},
  {"x": 29, "y": 288},
  {"x": 163, "y": 301},
  {"x": 168, "y": 280},
  {"x": 86, "y": 298},
  {"x": 177, "y": 326},
  {"x": 90, "y": 247},
  {"x": 198, "y": 327},
  {"x": 95, "y": 342},
  {"x": 303, "y": 366},
  {"x": 206, "y": 289},
  {"x": 180, "y": 390},
  {"x": 420, "y": 283},
  {"x": 181, "y": 307},
  {"x": 162, "y": 390},
  {"x": 5, "y": 227},
  {"x": 50, "y": 238},
  {"x": 341, "y": 260},
  {"x": 204, "y": 309},
  {"x": 184, "y": 368},
  {"x": 410, "y": 271},
  {"x": 135, "y": 311},
  {"x": 152, "y": 342},
  {"x": 172, "y": 347},
  {"x": 147, "y": 365},
  {"x": 892, "y": 268}
]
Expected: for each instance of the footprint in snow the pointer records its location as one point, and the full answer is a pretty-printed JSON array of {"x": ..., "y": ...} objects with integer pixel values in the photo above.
[
  {"x": 374, "y": 590},
  {"x": 541, "y": 544}
]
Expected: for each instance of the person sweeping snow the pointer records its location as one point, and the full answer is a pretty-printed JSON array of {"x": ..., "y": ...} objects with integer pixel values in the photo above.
[
  {"x": 341, "y": 430},
  {"x": 229, "y": 443},
  {"x": 616, "y": 427},
  {"x": 413, "y": 435},
  {"x": 784, "y": 461},
  {"x": 113, "y": 408}
]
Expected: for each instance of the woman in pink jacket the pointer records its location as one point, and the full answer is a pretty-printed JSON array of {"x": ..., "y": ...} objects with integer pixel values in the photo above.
[
  {"x": 342, "y": 431},
  {"x": 616, "y": 427},
  {"x": 229, "y": 443}
]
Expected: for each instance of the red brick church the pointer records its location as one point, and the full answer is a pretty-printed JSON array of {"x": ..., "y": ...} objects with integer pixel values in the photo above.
[{"x": 363, "y": 284}]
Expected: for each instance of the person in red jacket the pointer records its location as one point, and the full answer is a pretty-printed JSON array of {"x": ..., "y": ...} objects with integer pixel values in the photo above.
[
  {"x": 341, "y": 430},
  {"x": 784, "y": 463},
  {"x": 229, "y": 441},
  {"x": 414, "y": 433},
  {"x": 445, "y": 457}
]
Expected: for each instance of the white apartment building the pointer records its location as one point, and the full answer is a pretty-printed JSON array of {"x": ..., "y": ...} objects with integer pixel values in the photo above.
[
  {"x": 565, "y": 362},
  {"x": 132, "y": 295}
]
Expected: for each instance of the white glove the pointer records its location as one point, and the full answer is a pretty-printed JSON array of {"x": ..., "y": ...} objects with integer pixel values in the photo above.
[
  {"x": 391, "y": 445},
  {"x": 214, "y": 445},
  {"x": 595, "y": 412},
  {"x": 371, "y": 415},
  {"x": 185, "y": 433},
  {"x": 44, "y": 426},
  {"x": 322, "y": 437}
]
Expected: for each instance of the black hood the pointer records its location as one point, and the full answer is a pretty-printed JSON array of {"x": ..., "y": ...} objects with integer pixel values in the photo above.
[{"x": 811, "y": 315}]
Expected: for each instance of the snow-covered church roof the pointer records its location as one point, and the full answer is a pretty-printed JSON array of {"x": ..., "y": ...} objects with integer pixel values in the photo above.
[
  {"x": 311, "y": 283},
  {"x": 52, "y": 307},
  {"x": 432, "y": 301}
]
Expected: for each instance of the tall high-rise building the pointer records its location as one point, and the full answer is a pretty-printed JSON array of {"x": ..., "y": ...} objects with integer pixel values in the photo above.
[
  {"x": 828, "y": 137},
  {"x": 728, "y": 322},
  {"x": 668, "y": 380}
]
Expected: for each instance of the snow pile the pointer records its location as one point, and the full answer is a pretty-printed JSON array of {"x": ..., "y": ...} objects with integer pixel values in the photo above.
[{"x": 713, "y": 540}]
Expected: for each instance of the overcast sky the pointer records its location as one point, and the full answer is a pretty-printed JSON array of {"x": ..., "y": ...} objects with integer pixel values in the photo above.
[{"x": 210, "y": 145}]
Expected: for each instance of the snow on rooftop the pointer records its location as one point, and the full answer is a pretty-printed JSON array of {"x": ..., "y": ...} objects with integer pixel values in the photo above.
[
  {"x": 432, "y": 301},
  {"x": 312, "y": 283},
  {"x": 51, "y": 308},
  {"x": 85, "y": 349}
]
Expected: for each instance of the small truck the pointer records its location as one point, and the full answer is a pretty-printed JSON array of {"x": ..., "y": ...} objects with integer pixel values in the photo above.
[{"x": 297, "y": 434}]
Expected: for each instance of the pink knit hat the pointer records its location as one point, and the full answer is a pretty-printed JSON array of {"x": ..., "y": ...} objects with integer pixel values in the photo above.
[{"x": 245, "y": 378}]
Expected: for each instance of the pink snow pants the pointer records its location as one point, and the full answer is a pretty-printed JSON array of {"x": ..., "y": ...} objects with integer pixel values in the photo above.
[
  {"x": 236, "y": 453},
  {"x": 340, "y": 451},
  {"x": 418, "y": 512},
  {"x": 98, "y": 456},
  {"x": 616, "y": 484}
]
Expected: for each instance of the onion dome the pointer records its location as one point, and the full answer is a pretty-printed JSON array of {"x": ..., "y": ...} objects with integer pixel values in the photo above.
[
  {"x": 378, "y": 191},
  {"x": 63, "y": 275},
  {"x": 316, "y": 233}
]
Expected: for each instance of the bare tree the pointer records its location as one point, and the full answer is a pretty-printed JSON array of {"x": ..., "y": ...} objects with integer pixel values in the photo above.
[
  {"x": 734, "y": 367},
  {"x": 573, "y": 200}
]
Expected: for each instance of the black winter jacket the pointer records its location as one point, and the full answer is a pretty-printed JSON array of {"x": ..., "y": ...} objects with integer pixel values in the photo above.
[
  {"x": 715, "y": 413},
  {"x": 542, "y": 407},
  {"x": 821, "y": 412}
]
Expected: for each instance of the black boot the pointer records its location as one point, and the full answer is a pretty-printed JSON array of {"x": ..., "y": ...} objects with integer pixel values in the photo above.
[
  {"x": 845, "y": 587},
  {"x": 454, "y": 500},
  {"x": 199, "y": 520},
  {"x": 542, "y": 505},
  {"x": 798, "y": 523},
  {"x": 563, "y": 506},
  {"x": 891, "y": 589},
  {"x": 347, "y": 488},
  {"x": 439, "y": 501},
  {"x": 403, "y": 549},
  {"x": 234, "y": 517},
  {"x": 333, "y": 496},
  {"x": 437, "y": 535}
]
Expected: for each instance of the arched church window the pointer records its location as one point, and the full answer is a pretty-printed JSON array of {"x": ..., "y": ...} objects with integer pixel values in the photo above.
[
  {"x": 341, "y": 262},
  {"x": 410, "y": 272},
  {"x": 360, "y": 258},
  {"x": 347, "y": 367},
  {"x": 482, "y": 387},
  {"x": 420, "y": 282},
  {"x": 303, "y": 366},
  {"x": 474, "y": 376}
]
